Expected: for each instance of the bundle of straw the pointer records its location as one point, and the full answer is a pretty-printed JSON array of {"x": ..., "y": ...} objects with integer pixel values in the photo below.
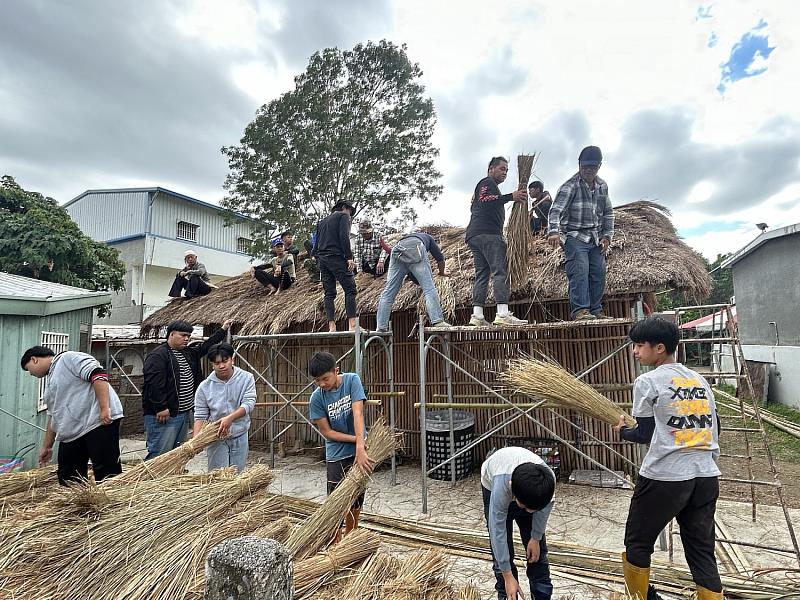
[
  {"x": 14, "y": 483},
  {"x": 170, "y": 463},
  {"x": 367, "y": 580},
  {"x": 278, "y": 530},
  {"x": 550, "y": 382},
  {"x": 321, "y": 526},
  {"x": 468, "y": 592},
  {"x": 418, "y": 574},
  {"x": 518, "y": 232},
  {"x": 314, "y": 572}
]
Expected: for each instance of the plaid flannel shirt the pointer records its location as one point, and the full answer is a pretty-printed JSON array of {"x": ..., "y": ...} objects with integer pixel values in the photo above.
[
  {"x": 371, "y": 250},
  {"x": 582, "y": 213}
]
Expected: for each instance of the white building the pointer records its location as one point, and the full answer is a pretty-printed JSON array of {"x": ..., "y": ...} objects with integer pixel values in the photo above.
[{"x": 152, "y": 228}]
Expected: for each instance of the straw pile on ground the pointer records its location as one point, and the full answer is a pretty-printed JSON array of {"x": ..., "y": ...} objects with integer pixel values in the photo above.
[
  {"x": 518, "y": 231},
  {"x": 548, "y": 381},
  {"x": 320, "y": 527},
  {"x": 25, "y": 481},
  {"x": 645, "y": 255}
]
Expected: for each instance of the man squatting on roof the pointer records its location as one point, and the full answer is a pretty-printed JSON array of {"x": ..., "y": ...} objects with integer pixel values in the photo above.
[
  {"x": 193, "y": 278},
  {"x": 484, "y": 236},
  {"x": 410, "y": 256},
  {"x": 581, "y": 219},
  {"x": 171, "y": 376},
  {"x": 336, "y": 261},
  {"x": 518, "y": 487},
  {"x": 371, "y": 251},
  {"x": 84, "y": 413},
  {"x": 278, "y": 273},
  {"x": 227, "y": 397}
]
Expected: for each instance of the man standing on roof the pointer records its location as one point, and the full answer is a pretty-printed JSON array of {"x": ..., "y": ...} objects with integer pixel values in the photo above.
[
  {"x": 171, "y": 376},
  {"x": 193, "y": 278},
  {"x": 336, "y": 261},
  {"x": 484, "y": 236},
  {"x": 581, "y": 220},
  {"x": 540, "y": 207},
  {"x": 372, "y": 251}
]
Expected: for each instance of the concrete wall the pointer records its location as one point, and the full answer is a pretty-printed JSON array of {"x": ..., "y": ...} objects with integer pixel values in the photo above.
[
  {"x": 784, "y": 378},
  {"x": 767, "y": 288}
]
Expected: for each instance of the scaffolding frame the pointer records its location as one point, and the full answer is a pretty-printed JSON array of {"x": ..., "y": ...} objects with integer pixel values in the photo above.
[
  {"x": 428, "y": 336},
  {"x": 362, "y": 341}
]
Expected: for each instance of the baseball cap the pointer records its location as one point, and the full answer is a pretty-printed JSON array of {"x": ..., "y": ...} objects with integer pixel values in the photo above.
[{"x": 590, "y": 156}]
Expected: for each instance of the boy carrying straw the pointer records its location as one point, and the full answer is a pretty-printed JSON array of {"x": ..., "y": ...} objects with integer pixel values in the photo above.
[
  {"x": 675, "y": 413},
  {"x": 337, "y": 409}
]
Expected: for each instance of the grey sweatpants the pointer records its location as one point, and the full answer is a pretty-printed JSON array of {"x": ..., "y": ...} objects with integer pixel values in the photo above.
[{"x": 489, "y": 254}]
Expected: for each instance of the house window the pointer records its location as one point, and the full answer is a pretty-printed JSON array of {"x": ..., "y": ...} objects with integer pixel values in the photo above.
[
  {"x": 187, "y": 231},
  {"x": 57, "y": 342},
  {"x": 244, "y": 245}
]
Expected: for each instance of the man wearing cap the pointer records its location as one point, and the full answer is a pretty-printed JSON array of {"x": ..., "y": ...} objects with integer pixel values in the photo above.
[
  {"x": 171, "y": 376},
  {"x": 193, "y": 278},
  {"x": 336, "y": 261},
  {"x": 278, "y": 273},
  {"x": 372, "y": 251},
  {"x": 581, "y": 220}
]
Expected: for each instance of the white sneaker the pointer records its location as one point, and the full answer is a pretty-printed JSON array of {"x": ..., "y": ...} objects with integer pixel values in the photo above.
[
  {"x": 509, "y": 319},
  {"x": 444, "y": 324},
  {"x": 477, "y": 321}
]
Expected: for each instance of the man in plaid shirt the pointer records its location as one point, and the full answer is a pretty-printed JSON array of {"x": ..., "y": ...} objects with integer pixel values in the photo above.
[
  {"x": 371, "y": 251},
  {"x": 582, "y": 221}
]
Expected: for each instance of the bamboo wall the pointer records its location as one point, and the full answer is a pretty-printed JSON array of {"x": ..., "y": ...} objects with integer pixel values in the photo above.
[{"x": 483, "y": 355}]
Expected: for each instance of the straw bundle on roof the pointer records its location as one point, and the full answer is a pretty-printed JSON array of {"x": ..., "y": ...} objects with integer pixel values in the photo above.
[
  {"x": 314, "y": 572},
  {"x": 549, "y": 381},
  {"x": 518, "y": 232},
  {"x": 169, "y": 463},
  {"x": 645, "y": 255},
  {"x": 320, "y": 527}
]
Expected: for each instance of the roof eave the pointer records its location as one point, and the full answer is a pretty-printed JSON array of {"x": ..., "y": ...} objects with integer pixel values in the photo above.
[{"x": 42, "y": 307}]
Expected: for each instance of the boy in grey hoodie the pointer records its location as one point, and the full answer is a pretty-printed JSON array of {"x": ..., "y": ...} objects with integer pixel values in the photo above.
[{"x": 226, "y": 397}]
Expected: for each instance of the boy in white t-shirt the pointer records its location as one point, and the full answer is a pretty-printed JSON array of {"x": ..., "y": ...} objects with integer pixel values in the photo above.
[{"x": 675, "y": 413}]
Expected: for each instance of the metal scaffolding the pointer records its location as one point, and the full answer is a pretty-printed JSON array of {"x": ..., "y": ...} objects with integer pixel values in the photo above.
[{"x": 428, "y": 336}]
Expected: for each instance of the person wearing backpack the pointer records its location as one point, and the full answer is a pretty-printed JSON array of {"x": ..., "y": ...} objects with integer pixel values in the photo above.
[{"x": 410, "y": 257}]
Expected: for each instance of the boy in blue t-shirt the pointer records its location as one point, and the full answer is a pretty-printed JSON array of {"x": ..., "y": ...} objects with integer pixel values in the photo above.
[{"x": 337, "y": 409}]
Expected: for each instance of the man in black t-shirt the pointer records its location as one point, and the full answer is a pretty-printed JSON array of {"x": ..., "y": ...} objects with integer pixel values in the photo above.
[
  {"x": 540, "y": 207},
  {"x": 335, "y": 256},
  {"x": 484, "y": 236}
]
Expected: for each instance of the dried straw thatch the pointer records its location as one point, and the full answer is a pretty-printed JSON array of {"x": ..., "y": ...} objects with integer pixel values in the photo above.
[
  {"x": 518, "y": 231},
  {"x": 646, "y": 255},
  {"x": 549, "y": 381}
]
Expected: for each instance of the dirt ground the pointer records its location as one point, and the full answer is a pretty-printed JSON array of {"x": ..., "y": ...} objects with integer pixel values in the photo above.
[{"x": 587, "y": 516}]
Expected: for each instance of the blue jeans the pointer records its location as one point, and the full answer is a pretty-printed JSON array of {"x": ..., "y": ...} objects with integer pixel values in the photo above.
[
  {"x": 397, "y": 273},
  {"x": 586, "y": 271},
  {"x": 539, "y": 572},
  {"x": 228, "y": 452},
  {"x": 163, "y": 437}
]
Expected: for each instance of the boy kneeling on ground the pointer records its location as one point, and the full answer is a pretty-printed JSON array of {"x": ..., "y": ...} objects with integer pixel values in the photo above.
[
  {"x": 676, "y": 414},
  {"x": 337, "y": 409},
  {"x": 518, "y": 486}
]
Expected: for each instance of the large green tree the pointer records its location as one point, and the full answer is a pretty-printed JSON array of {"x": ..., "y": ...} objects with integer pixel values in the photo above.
[
  {"x": 39, "y": 239},
  {"x": 356, "y": 127}
]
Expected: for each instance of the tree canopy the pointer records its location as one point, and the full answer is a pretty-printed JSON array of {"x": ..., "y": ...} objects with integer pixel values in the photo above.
[
  {"x": 356, "y": 127},
  {"x": 39, "y": 239}
]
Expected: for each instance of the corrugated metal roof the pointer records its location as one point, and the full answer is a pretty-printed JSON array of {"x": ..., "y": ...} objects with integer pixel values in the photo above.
[
  {"x": 759, "y": 241},
  {"x": 27, "y": 288}
]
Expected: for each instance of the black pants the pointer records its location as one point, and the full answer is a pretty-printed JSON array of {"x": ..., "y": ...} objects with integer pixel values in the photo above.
[
  {"x": 368, "y": 268},
  {"x": 194, "y": 286},
  {"x": 539, "y": 572},
  {"x": 489, "y": 255},
  {"x": 332, "y": 270},
  {"x": 101, "y": 445},
  {"x": 337, "y": 469},
  {"x": 265, "y": 279},
  {"x": 692, "y": 503}
]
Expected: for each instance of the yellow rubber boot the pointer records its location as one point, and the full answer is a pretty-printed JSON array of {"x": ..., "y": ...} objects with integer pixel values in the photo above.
[
  {"x": 705, "y": 594},
  {"x": 637, "y": 579}
]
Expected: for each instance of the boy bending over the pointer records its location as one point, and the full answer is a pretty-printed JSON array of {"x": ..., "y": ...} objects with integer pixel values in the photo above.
[
  {"x": 676, "y": 415},
  {"x": 337, "y": 409},
  {"x": 518, "y": 486}
]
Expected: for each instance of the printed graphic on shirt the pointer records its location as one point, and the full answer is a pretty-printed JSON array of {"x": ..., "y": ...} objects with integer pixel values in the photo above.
[
  {"x": 485, "y": 195},
  {"x": 691, "y": 416},
  {"x": 339, "y": 410}
]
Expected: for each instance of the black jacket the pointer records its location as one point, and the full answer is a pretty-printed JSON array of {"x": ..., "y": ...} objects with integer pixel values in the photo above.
[
  {"x": 333, "y": 237},
  {"x": 161, "y": 372}
]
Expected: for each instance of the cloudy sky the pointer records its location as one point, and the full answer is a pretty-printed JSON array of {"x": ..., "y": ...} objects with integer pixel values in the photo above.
[{"x": 693, "y": 103}]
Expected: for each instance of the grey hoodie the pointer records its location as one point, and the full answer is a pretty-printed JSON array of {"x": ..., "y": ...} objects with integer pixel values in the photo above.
[{"x": 216, "y": 399}]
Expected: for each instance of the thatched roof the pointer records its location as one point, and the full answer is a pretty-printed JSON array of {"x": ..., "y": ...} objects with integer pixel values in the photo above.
[{"x": 646, "y": 255}]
